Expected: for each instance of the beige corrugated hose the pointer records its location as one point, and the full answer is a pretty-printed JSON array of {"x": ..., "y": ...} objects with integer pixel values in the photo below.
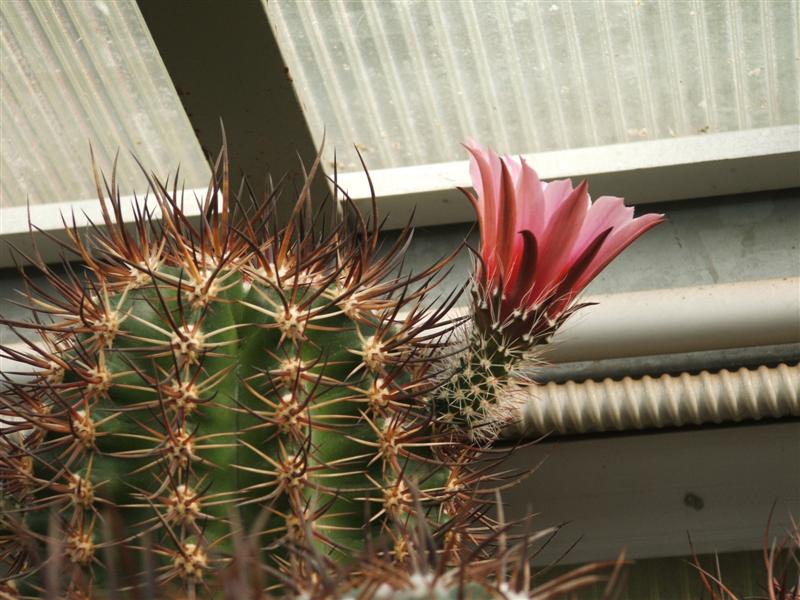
[{"x": 665, "y": 401}]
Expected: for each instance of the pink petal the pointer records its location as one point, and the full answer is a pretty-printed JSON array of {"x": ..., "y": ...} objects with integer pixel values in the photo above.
[
  {"x": 486, "y": 178},
  {"x": 530, "y": 201},
  {"x": 507, "y": 220},
  {"x": 567, "y": 290},
  {"x": 513, "y": 166},
  {"x": 475, "y": 175},
  {"x": 520, "y": 281},
  {"x": 556, "y": 244},
  {"x": 555, "y": 193},
  {"x": 606, "y": 212},
  {"x": 619, "y": 239}
]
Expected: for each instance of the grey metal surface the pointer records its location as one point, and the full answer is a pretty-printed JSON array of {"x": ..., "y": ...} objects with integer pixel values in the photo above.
[
  {"x": 644, "y": 493},
  {"x": 685, "y": 362}
]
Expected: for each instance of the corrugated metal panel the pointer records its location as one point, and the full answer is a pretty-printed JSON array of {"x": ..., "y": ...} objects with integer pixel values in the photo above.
[
  {"x": 407, "y": 81},
  {"x": 81, "y": 72}
]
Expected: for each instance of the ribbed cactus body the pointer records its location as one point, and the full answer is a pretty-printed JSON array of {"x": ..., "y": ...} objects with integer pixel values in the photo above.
[
  {"x": 190, "y": 377},
  {"x": 248, "y": 392}
]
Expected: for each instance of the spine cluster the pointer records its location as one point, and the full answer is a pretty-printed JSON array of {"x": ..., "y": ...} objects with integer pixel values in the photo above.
[{"x": 200, "y": 381}]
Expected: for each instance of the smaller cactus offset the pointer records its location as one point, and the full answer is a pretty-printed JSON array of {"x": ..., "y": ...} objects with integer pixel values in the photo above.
[
  {"x": 541, "y": 245},
  {"x": 200, "y": 382}
]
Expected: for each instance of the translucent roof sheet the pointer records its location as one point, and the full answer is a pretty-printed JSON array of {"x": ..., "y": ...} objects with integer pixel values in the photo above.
[
  {"x": 406, "y": 81},
  {"x": 78, "y": 72}
]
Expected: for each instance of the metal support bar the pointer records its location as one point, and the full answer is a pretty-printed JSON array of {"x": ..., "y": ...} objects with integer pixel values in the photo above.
[
  {"x": 691, "y": 319},
  {"x": 226, "y": 64},
  {"x": 643, "y": 172}
]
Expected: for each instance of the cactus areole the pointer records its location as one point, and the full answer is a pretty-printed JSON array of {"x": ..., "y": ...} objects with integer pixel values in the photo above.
[{"x": 196, "y": 380}]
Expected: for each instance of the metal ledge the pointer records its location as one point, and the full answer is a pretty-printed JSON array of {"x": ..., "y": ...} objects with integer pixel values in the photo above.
[
  {"x": 642, "y": 172},
  {"x": 49, "y": 220}
]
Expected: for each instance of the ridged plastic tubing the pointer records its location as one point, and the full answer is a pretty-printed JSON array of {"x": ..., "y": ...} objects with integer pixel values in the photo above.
[{"x": 664, "y": 401}]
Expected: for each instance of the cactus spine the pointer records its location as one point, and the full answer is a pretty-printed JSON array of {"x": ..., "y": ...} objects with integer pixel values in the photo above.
[{"x": 194, "y": 368}]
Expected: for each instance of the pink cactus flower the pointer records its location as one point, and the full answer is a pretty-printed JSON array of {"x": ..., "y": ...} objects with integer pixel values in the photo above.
[{"x": 541, "y": 244}]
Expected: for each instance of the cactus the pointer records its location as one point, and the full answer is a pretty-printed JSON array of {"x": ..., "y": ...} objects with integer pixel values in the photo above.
[
  {"x": 197, "y": 379},
  {"x": 192, "y": 368}
]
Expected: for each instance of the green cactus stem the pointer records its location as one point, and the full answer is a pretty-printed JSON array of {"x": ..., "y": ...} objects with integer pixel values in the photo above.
[{"x": 191, "y": 368}]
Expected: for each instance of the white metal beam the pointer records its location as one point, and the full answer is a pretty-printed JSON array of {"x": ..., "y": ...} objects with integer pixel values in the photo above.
[
  {"x": 48, "y": 221},
  {"x": 642, "y": 172},
  {"x": 680, "y": 320}
]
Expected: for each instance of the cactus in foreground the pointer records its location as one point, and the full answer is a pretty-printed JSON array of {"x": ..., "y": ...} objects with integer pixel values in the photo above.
[{"x": 196, "y": 381}]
